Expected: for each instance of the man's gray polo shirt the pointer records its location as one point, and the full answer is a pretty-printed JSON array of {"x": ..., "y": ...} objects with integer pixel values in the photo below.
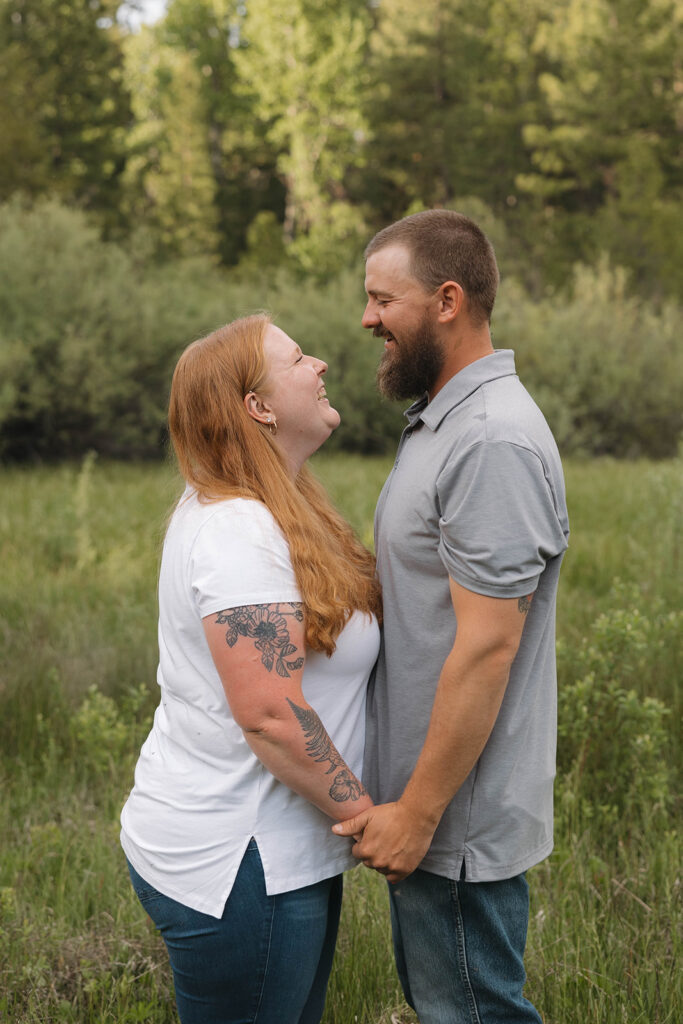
[{"x": 476, "y": 493}]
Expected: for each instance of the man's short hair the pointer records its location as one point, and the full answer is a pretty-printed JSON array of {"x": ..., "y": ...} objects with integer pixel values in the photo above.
[{"x": 446, "y": 246}]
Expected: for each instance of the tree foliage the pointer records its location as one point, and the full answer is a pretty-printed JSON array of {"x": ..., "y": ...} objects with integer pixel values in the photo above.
[
  {"x": 172, "y": 189},
  {"x": 606, "y": 144},
  {"x": 274, "y": 137},
  {"x": 452, "y": 84},
  {"x": 614, "y": 89},
  {"x": 290, "y": 130},
  {"x": 303, "y": 66},
  {"x": 67, "y": 102},
  {"x": 211, "y": 34}
]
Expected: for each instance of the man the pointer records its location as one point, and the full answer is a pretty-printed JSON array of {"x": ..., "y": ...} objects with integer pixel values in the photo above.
[{"x": 471, "y": 527}]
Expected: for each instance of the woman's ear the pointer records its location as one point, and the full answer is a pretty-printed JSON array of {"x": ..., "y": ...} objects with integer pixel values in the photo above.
[{"x": 257, "y": 408}]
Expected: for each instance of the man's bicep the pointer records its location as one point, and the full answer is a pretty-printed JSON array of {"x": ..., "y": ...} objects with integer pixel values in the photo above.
[
  {"x": 489, "y": 621},
  {"x": 258, "y": 651}
]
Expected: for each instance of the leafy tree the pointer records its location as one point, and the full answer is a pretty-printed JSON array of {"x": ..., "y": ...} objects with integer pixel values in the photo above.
[
  {"x": 242, "y": 160},
  {"x": 24, "y": 92},
  {"x": 304, "y": 63},
  {"x": 606, "y": 145},
  {"x": 171, "y": 186},
  {"x": 64, "y": 80},
  {"x": 616, "y": 76},
  {"x": 452, "y": 85},
  {"x": 642, "y": 224}
]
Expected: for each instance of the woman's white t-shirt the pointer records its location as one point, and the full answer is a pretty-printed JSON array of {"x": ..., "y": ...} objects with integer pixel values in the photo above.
[{"x": 200, "y": 792}]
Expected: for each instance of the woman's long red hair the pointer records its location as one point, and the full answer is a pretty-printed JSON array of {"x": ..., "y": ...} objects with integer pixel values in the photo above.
[{"x": 223, "y": 453}]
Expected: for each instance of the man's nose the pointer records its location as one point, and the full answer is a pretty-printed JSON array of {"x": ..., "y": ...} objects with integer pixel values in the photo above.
[{"x": 370, "y": 317}]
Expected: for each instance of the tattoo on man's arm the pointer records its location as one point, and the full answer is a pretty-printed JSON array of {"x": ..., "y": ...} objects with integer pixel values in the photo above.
[
  {"x": 524, "y": 603},
  {"x": 266, "y": 625},
  {"x": 319, "y": 746}
]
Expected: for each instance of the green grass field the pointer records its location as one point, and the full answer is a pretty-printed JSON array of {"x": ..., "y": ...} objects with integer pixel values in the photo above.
[{"x": 79, "y": 549}]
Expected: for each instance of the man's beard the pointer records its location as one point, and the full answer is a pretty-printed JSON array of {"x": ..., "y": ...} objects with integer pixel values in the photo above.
[{"x": 413, "y": 366}]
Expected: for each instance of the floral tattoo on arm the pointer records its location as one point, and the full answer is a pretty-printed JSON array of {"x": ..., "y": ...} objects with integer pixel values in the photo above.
[
  {"x": 266, "y": 625},
  {"x": 524, "y": 604}
]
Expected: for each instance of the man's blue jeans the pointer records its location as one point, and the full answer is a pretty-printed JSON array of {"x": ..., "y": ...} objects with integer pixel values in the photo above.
[
  {"x": 267, "y": 961},
  {"x": 459, "y": 949}
]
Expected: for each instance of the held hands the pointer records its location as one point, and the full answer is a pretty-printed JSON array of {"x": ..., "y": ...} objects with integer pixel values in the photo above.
[{"x": 389, "y": 838}]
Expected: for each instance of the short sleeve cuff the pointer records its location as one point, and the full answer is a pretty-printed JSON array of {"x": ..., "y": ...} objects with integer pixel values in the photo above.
[{"x": 518, "y": 587}]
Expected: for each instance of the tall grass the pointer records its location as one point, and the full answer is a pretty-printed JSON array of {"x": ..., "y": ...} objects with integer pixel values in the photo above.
[{"x": 79, "y": 549}]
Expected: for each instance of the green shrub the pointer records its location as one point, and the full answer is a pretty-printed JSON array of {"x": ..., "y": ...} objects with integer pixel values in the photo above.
[
  {"x": 613, "y": 742},
  {"x": 87, "y": 339},
  {"x": 604, "y": 365},
  {"x": 89, "y": 336},
  {"x": 107, "y": 734}
]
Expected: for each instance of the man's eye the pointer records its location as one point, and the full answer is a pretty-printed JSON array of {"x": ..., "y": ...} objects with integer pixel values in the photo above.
[{"x": 299, "y": 359}]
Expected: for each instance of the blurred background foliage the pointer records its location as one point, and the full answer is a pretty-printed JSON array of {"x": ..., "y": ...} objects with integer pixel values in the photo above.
[{"x": 158, "y": 180}]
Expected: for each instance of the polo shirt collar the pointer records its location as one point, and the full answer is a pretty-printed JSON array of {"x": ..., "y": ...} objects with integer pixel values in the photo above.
[{"x": 500, "y": 363}]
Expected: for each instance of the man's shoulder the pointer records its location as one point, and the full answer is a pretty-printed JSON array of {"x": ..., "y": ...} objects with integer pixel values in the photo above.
[
  {"x": 499, "y": 409},
  {"x": 508, "y": 413}
]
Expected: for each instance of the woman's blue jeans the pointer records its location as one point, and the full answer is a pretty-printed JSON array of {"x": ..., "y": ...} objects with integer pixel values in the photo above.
[
  {"x": 459, "y": 949},
  {"x": 266, "y": 961}
]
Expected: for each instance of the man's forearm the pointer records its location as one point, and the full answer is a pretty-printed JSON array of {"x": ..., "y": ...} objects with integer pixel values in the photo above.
[{"x": 468, "y": 698}]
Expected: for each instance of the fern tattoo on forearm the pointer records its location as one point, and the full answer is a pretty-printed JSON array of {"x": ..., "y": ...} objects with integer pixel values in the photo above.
[{"x": 319, "y": 746}]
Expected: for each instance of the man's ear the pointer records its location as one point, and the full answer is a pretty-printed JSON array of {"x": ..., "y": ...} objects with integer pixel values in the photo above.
[
  {"x": 451, "y": 298},
  {"x": 257, "y": 408}
]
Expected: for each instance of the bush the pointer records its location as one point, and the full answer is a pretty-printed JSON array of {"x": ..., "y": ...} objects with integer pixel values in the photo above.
[
  {"x": 89, "y": 336},
  {"x": 603, "y": 364},
  {"x": 87, "y": 340},
  {"x": 613, "y": 743},
  {"x": 107, "y": 735}
]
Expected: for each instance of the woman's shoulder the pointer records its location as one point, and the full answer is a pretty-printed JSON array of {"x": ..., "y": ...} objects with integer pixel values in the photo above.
[
  {"x": 232, "y": 551},
  {"x": 192, "y": 508},
  {"x": 229, "y": 520}
]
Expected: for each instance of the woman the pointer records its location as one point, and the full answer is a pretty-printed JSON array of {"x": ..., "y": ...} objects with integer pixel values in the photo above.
[{"x": 268, "y": 630}]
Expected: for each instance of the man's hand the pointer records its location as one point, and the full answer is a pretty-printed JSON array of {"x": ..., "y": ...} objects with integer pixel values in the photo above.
[{"x": 393, "y": 840}]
